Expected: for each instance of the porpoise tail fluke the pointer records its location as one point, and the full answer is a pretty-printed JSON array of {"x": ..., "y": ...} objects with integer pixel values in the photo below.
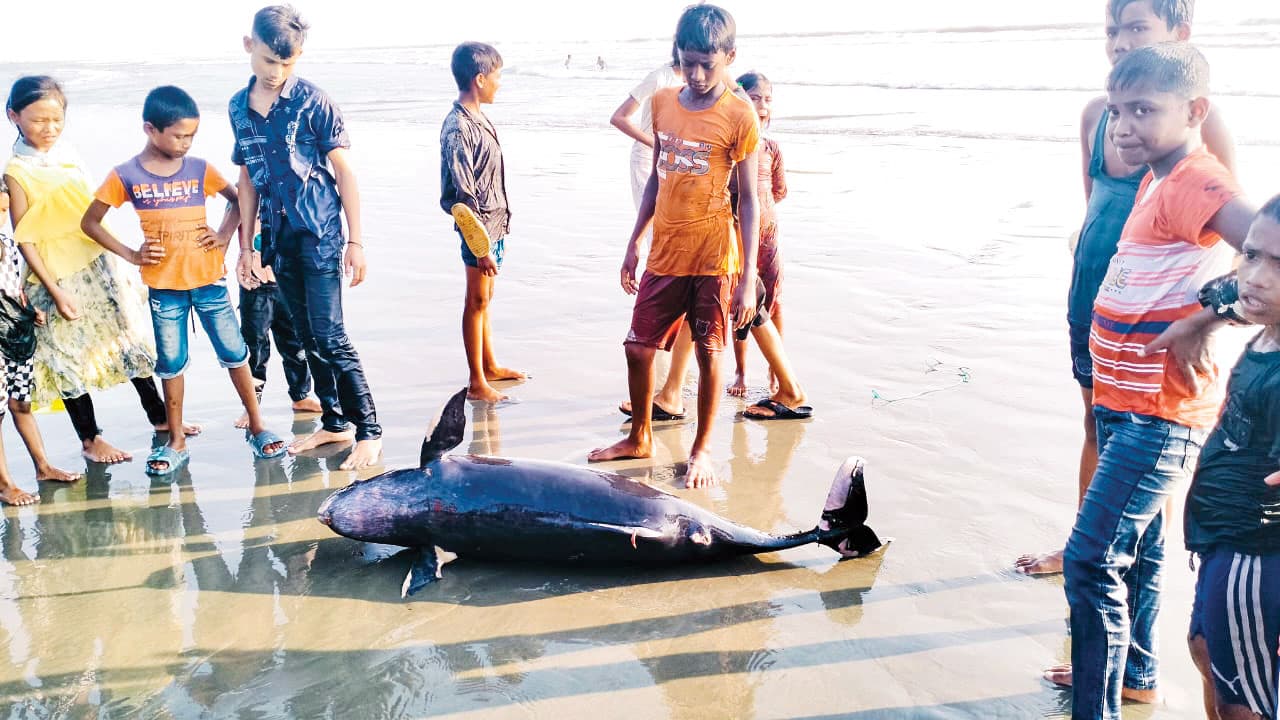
[{"x": 843, "y": 526}]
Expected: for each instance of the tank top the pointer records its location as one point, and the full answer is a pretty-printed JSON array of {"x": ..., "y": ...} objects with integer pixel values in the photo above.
[{"x": 1110, "y": 203}]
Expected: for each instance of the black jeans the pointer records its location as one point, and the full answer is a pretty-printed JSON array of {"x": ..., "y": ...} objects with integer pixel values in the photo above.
[
  {"x": 85, "y": 421},
  {"x": 264, "y": 315},
  {"x": 314, "y": 298}
]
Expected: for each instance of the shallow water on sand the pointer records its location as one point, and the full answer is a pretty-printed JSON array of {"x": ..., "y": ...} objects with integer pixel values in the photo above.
[{"x": 926, "y": 277}]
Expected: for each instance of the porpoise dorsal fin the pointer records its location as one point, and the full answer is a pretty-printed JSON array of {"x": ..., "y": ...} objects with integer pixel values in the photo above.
[{"x": 447, "y": 431}]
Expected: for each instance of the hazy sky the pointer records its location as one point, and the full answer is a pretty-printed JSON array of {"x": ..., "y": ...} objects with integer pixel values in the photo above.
[{"x": 129, "y": 29}]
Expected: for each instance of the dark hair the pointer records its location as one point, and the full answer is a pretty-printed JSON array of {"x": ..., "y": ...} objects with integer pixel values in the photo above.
[
  {"x": 675, "y": 55},
  {"x": 751, "y": 80},
  {"x": 1173, "y": 12},
  {"x": 32, "y": 89},
  {"x": 282, "y": 28},
  {"x": 706, "y": 29},
  {"x": 1171, "y": 67},
  {"x": 1271, "y": 210},
  {"x": 167, "y": 105},
  {"x": 471, "y": 59}
]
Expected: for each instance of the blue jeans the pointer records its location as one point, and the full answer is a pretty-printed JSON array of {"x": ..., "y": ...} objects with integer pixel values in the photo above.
[
  {"x": 169, "y": 312},
  {"x": 314, "y": 299},
  {"x": 1115, "y": 556}
]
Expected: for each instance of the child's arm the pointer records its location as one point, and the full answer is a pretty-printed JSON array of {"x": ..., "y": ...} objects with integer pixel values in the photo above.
[
  {"x": 1088, "y": 128},
  {"x": 15, "y": 201},
  {"x": 621, "y": 119},
  {"x": 744, "y": 295},
  {"x": 1217, "y": 139},
  {"x": 644, "y": 216},
  {"x": 354, "y": 264},
  {"x": 1232, "y": 221},
  {"x": 779, "y": 177},
  {"x": 18, "y": 208},
  {"x": 91, "y": 224},
  {"x": 230, "y": 221},
  {"x": 247, "y": 204}
]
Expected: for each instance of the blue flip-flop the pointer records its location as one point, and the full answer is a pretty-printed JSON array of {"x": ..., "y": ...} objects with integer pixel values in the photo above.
[
  {"x": 173, "y": 460},
  {"x": 263, "y": 439}
]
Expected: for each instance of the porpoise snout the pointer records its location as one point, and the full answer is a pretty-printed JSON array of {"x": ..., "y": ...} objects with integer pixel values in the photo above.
[{"x": 325, "y": 513}]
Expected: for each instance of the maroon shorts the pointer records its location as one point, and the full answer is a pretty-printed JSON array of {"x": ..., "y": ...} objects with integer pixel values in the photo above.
[
  {"x": 769, "y": 268},
  {"x": 665, "y": 300}
]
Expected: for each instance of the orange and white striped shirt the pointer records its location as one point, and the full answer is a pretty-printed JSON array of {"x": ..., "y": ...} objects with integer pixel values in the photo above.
[{"x": 1164, "y": 256}]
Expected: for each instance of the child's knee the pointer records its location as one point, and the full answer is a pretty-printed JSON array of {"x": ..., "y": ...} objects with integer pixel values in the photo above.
[
  {"x": 478, "y": 299},
  {"x": 20, "y": 407},
  {"x": 638, "y": 353}
]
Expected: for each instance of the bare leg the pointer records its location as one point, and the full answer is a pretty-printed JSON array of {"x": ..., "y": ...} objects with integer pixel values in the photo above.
[
  {"x": 775, "y": 317},
  {"x": 1200, "y": 656},
  {"x": 738, "y": 387},
  {"x": 492, "y": 370},
  {"x": 702, "y": 471},
  {"x": 1051, "y": 562},
  {"x": 174, "y": 388},
  {"x": 29, "y": 431},
  {"x": 671, "y": 396},
  {"x": 475, "y": 312},
  {"x": 639, "y": 442},
  {"x": 11, "y": 494},
  {"x": 789, "y": 392}
]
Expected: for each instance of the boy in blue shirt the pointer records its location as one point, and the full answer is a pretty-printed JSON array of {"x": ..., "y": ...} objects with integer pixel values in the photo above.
[{"x": 291, "y": 146}]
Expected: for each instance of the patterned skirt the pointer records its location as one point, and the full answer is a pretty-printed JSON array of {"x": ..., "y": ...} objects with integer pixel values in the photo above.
[{"x": 109, "y": 344}]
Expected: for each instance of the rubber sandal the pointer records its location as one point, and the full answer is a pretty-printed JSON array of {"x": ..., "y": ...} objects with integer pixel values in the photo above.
[
  {"x": 473, "y": 231},
  {"x": 263, "y": 439},
  {"x": 174, "y": 459},
  {"x": 656, "y": 413},
  {"x": 780, "y": 411}
]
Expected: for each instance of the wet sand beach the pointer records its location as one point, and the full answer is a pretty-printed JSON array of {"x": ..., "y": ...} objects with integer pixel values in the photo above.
[{"x": 926, "y": 276}]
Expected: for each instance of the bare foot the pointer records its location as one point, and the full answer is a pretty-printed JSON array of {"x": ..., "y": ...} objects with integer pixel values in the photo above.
[
  {"x": 101, "y": 451},
  {"x": 242, "y": 422},
  {"x": 364, "y": 454},
  {"x": 626, "y": 449},
  {"x": 188, "y": 429},
  {"x": 485, "y": 393},
  {"x": 307, "y": 405},
  {"x": 13, "y": 495},
  {"x": 702, "y": 471},
  {"x": 495, "y": 374},
  {"x": 1049, "y": 563},
  {"x": 49, "y": 472},
  {"x": 1061, "y": 675},
  {"x": 320, "y": 437},
  {"x": 739, "y": 386}
]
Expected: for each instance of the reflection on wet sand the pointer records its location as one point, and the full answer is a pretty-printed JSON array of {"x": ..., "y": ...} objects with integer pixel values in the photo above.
[{"x": 122, "y": 597}]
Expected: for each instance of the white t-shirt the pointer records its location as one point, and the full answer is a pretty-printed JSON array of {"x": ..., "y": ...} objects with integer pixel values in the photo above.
[{"x": 663, "y": 77}]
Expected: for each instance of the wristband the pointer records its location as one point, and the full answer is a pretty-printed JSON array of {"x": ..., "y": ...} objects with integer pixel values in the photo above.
[{"x": 1222, "y": 295}]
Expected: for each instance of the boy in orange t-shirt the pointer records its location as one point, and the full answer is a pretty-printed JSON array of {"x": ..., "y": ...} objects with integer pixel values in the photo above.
[
  {"x": 182, "y": 261},
  {"x": 703, "y": 134}
]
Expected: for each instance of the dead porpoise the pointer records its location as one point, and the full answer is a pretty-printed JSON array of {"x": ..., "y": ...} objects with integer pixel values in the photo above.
[{"x": 492, "y": 507}]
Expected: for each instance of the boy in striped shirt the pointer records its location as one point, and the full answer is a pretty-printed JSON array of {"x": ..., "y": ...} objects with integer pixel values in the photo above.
[{"x": 1152, "y": 405}]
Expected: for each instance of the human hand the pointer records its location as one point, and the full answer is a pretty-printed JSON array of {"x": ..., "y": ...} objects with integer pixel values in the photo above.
[
  {"x": 744, "y": 305},
  {"x": 210, "y": 240},
  {"x": 150, "y": 253},
  {"x": 488, "y": 267},
  {"x": 629, "y": 263},
  {"x": 40, "y": 317},
  {"x": 354, "y": 265},
  {"x": 1273, "y": 479},
  {"x": 245, "y": 275},
  {"x": 66, "y": 306},
  {"x": 1189, "y": 342}
]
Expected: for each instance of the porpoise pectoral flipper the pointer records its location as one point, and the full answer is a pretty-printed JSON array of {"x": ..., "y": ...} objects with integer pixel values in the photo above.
[{"x": 424, "y": 571}]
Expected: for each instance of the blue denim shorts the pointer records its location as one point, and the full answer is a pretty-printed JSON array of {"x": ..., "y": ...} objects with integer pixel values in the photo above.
[
  {"x": 169, "y": 312},
  {"x": 496, "y": 249},
  {"x": 1081, "y": 360}
]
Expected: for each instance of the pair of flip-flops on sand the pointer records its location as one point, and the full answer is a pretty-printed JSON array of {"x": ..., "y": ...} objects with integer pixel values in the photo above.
[
  {"x": 174, "y": 459},
  {"x": 780, "y": 412}
]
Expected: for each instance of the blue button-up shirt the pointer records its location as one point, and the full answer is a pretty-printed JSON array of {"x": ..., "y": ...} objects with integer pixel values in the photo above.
[{"x": 286, "y": 155}]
